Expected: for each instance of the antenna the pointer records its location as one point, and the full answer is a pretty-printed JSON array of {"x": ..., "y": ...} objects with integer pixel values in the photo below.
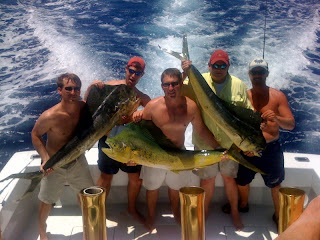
[{"x": 264, "y": 30}]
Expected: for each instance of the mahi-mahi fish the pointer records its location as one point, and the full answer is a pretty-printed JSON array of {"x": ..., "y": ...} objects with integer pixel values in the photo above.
[
  {"x": 145, "y": 144},
  {"x": 106, "y": 106},
  {"x": 240, "y": 124}
]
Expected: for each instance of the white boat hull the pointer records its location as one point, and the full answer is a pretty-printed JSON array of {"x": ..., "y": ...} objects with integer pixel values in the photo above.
[{"x": 15, "y": 217}]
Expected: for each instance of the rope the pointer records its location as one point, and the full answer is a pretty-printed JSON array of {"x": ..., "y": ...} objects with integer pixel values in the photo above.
[{"x": 264, "y": 30}]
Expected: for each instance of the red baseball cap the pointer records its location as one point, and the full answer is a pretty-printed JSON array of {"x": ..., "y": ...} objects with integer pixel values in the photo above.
[
  {"x": 219, "y": 55},
  {"x": 137, "y": 62}
]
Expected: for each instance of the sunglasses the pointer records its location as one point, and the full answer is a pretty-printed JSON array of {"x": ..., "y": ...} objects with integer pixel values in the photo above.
[
  {"x": 173, "y": 84},
  {"x": 217, "y": 66},
  {"x": 135, "y": 72},
  {"x": 258, "y": 72},
  {"x": 69, "y": 89}
]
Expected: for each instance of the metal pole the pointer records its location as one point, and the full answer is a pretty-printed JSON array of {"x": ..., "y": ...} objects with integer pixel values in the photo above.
[
  {"x": 291, "y": 206},
  {"x": 93, "y": 213},
  {"x": 192, "y": 213}
]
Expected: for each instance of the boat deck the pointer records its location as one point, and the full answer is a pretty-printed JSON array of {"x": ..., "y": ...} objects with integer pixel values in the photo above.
[
  {"x": 18, "y": 221},
  {"x": 66, "y": 224}
]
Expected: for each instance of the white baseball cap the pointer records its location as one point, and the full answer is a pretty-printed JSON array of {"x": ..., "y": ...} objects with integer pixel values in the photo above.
[{"x": 258, "y": 62}]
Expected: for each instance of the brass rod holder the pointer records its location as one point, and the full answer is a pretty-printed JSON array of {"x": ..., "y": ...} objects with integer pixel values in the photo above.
[
  {"x": 93, "y": 213},
  {"x": 291, "y": 206},
  {"x": 192, "y": 213}
]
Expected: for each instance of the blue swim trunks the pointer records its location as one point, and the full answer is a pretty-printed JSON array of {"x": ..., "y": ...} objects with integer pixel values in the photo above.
[
  {"x": 108, "y": 165},
  {"x": 271, "y": 162}
]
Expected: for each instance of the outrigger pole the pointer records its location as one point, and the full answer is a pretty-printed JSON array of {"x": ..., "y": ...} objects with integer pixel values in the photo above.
[{"x": 264, "y": 30}]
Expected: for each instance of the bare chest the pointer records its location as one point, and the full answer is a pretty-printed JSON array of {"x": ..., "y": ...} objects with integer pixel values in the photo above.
[
  {"x": 269, "y": 106},
  {"x": 177, "y": 116},
  {"x": 65, "y": 126},
  {"x": 264, "y": 102}
]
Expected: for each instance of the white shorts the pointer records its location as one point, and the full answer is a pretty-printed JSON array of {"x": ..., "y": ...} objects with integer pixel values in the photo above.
[
  {"x": 77, "y": 175},
  {"x": 152, "y": 178},
  {"x": 226, "y": 167}
]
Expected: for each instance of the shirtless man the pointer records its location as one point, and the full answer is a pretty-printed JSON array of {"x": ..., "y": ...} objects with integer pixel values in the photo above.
[
  {"x": 172, "y": 114},
  {"x": 108, "y": 167},
  {"x": 274, "y": 109},
  {"x": 59, "y": 123}
]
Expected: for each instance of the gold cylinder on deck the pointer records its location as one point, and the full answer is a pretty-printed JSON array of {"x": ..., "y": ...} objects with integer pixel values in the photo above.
[
  {"x": 93, "y": 213},
  {"x": 291, "y": 206},
  {"x": 192, "y": 213}
]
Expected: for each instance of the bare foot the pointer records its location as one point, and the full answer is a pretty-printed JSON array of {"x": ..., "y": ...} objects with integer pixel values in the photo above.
[
  {"x": 137, "y": 215},
  {"x": 177, "y": 218},
  {"x": 43, "y": 232},
  {"x": 237, "y": 220},
  {"x": 149, "y": 223},
  {"x": 43, "y": 236}
]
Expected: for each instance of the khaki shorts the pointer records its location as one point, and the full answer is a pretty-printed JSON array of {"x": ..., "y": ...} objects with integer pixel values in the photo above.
[
  {"x": 77, "y": 175},
  {"x": 227, "y": 167},
  {"x": 152, "y": 178}
]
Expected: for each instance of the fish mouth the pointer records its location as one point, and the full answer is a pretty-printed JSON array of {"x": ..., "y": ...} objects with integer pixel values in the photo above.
[{"x": 109, "y": 145}]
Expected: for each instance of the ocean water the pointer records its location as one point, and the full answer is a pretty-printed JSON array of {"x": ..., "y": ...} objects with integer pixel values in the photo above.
[{"x": 40, "y": 39}]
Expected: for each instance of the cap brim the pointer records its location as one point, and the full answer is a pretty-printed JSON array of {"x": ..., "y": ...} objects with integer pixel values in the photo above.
[
  {"x": 257, "y": 66},
  {"x": 219, "y": 59}
]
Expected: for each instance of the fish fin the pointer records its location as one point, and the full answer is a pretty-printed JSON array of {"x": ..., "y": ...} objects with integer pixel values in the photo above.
[
  {"x": 143, "y": 128},
  {"x": 148, "y": 130},
  {"x": 97, "y": 95},
  {"x": 155, "y": 133},
  {"x": 236, "y": 156},
  {"x": 85, "y": 122},
  {"x": 246, "y": 115},
  {"x": 34, "y": 183}
]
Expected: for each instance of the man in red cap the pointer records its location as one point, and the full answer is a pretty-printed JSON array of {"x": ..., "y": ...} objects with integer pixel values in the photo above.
[
  {"x": 108, "y": 167},
  {"x": 232, "y": 90}
]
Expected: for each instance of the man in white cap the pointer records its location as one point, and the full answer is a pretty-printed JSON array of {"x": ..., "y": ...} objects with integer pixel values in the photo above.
[{"x": 274, "y": 109}]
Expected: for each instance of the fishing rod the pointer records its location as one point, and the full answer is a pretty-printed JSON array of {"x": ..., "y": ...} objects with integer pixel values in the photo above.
[{"x": 264, "y": 29}]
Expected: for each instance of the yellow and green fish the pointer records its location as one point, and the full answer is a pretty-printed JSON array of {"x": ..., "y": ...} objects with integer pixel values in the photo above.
[{"x": 145, "y": 144}]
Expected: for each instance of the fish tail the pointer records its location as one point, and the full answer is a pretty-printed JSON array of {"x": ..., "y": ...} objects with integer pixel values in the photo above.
[
  {"x": 185, "y": 52},
  {"x": 35, "y": 178},
  {"x": 25, "y": 175},
  {"x": 34, "y": 183},
  {"x": 236, "y": 156}
]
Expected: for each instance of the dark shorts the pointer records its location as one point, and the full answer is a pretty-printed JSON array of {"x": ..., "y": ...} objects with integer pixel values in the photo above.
[
  {"x": 271, "y": 162},
  {"x": 108, "y": 165}
]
